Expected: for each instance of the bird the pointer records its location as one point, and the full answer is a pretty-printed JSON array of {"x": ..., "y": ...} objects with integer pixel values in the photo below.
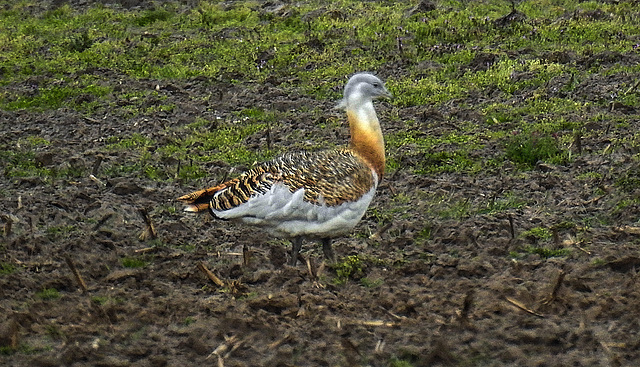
[{"x": 313, "y": 195}]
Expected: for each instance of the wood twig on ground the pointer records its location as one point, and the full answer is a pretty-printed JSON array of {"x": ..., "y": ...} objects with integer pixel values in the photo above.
[
  {"x": 628, "y": 230},
  {"x": 8, "y": 223},
  {"x": 220, "y": 254},
  {"x": 519, "y": 305},
  {"x": 554, "y": 293},
  {"x": 378, "y": 235},
  {"x": 341, "y": 321},
  {"x": 280, "y": 341},
  {"x": 463, "y": 314},
  {"x": 150, "y": 230},
  {"x": 97, "y": 180},
  {"x": 633, "y": 87},
  {"x": 392, "y": 314},
  {"x": 210, "y": 275},
  {"x": 76, "y": 273},
  {"x": 512, "y": 229},
  {"x": 224, "y": 350},
  {"x": 246, "y": 255}
]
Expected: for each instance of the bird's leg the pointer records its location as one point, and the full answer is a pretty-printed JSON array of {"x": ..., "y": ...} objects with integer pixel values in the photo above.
[
  {"x": 297, "y": 245},
  {"x": 328, "y": 251}
]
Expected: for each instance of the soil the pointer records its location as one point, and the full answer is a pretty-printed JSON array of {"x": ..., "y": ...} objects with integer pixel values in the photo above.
[{"x": 458, "y": 298}]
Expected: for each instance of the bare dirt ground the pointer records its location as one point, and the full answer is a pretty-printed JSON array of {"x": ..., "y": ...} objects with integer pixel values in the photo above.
[{"x": 457, "y": 298}]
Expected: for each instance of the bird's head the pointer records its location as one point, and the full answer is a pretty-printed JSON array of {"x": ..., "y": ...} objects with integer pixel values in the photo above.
[{"x": 362, "y": 87}]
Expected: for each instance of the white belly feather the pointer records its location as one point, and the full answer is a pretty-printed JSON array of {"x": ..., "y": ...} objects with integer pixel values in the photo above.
[{"x": 287, "y": 214}]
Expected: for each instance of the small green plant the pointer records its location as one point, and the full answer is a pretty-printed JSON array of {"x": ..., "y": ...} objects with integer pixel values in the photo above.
[
  {"x": 537, "y": 233},
  {"x": 351, "y": 267},
  {"x": 60, "y": 230},
  {"x": 100, "y": 300},
  {"x": 80, "y": 42},
  {"x": 456, "y": 210},
  {"x": 629, "y": 181},
  {"x": 527, "y": 149},
  {"x": 546, "y": 252},
  {"x": 425, "y": 233},
  {"x": 152, "y": 16},
  {"x": 6, "y": 268},
  {"x": 133, "y": 262},
  {"x": 369, "y": 283},
  {"x": 48, "y": 294},
  {"x": 501, "y": 204},
  {"x": 55, "y": 332}
]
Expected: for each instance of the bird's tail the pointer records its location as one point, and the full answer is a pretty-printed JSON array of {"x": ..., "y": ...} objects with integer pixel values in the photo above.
[{"x": 200, "y": 200}]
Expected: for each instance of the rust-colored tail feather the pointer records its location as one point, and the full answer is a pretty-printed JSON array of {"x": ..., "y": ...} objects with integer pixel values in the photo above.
[{"x": 200, "y": 200}]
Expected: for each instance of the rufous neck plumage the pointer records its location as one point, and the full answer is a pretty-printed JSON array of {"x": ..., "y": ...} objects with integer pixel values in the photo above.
[{"x": 366, "y": 135}]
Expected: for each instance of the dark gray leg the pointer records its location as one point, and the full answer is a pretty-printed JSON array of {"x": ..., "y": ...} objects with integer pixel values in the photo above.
[
  {"x": 297, "y": 245},
  {"x": 328, "y": 251}
]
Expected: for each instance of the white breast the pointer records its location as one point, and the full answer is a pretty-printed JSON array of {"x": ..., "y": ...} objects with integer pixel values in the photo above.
[{"x": 286, "y": 214}]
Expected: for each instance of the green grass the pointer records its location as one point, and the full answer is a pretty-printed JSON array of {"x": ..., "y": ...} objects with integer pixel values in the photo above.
[
  {"x": 529, "y": 73},
  {"x": 6, "y": 268},
  {"x": 537, "y": 233},
  {"x": 133, "y": 262},
  {"x": 546, "y": 252},
  {"x": 241, "y": 42},
  {"x": 527, "y": 149},
  {"x": 48, "y": 294}
]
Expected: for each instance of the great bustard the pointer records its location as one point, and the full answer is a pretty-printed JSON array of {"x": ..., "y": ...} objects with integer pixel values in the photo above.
[{"x": 310, "y": 194}]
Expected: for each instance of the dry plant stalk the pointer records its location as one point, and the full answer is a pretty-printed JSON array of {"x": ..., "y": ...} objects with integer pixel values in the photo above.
[
  {"x": 8, "y": 222},
  {"x": 463, "y": 314},
  {"x": 378, "y": 235},
  {"x": 628, "y": 230},
  {"x": 76, "y": 273},
  {"x": 210, "y": 275},
  {"x": 97, "y": 180},
  {"x": 311, "y": 269},
  {"x": 512, "y": 229},
  {"x": 340, "y": 322},
  {"x": 224, "y": 350},
  {"x": 392, "y": 314},
  {"x": 519, "y": 305},
  {"x": 279, "y": 342},
  {"x": 554, "y": 293},
  {"x": 150, "y": 231},
  {"x": 246, "y": 255}
]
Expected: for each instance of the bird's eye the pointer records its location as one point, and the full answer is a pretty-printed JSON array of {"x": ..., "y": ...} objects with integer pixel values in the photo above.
[{"x": 376, "y": 85}]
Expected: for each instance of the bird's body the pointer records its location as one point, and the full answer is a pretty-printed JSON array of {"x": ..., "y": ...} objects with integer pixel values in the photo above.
[{"x": 314, "y": 195}]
